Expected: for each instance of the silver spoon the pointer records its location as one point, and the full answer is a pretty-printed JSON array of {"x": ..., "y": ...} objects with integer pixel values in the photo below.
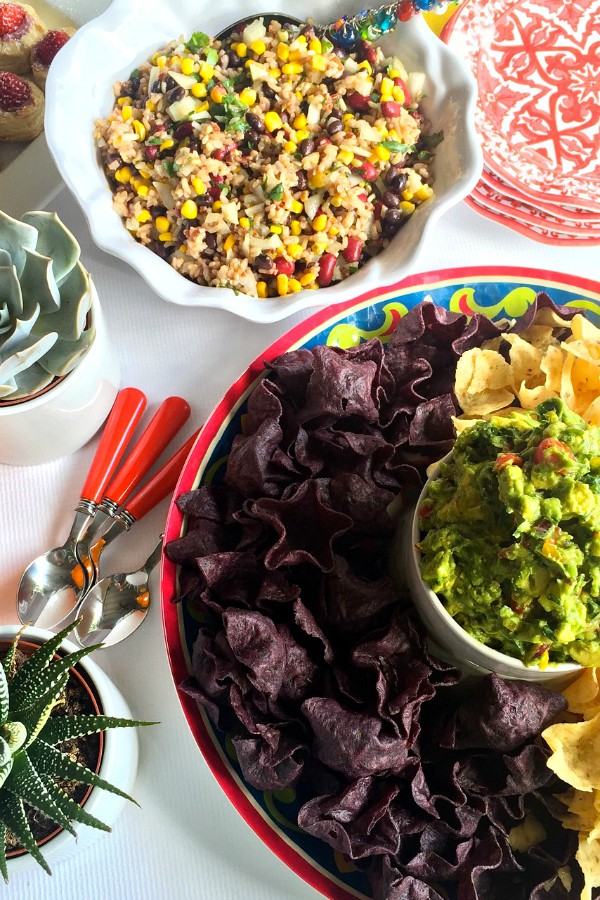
[
  {"x": 116, "y": 605},
  {"x": 61, "y": 572}
]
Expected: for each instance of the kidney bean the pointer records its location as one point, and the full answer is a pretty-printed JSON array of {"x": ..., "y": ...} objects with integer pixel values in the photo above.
[
  {"x": 358, "y": 102},
  {"x": 367, "y": 170},
  {"x": 284, "y": 266},
  {"x": 377, "y": 209},
  {"x": 390, "y": 108},
  {"x": 151, "y": 151},
  {"x": 182, "y": 131},
  {"x": 353, "y": 249},
  {"x": 326, "y": 267}
]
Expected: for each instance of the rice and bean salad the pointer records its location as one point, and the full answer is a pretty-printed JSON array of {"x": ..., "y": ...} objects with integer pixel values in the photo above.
[{"x": 269, "y": 162}]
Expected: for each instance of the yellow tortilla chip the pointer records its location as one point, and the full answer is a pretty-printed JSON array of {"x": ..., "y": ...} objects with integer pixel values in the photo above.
[
  {"x": 550, "y": 318},
  {"x": 588, "y": 857},
  {"x": 584, "y": 330},
  {"x": 539, "y": 336},
  {"x": 592, "y": 413},
  {"x": 551, "y": 365},
  {"x": 525, "y": 361},
  {"x": 576, "y": 752},
  {"x": 482, "y": 382},
  {"x": 583, "y": 350},
  {"x": 583, "y": 692}
]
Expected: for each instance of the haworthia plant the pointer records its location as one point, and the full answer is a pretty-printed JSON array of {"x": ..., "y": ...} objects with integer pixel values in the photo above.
[
  {"x": 31, "y": 762},
  {"x": 45, "y": 297}
]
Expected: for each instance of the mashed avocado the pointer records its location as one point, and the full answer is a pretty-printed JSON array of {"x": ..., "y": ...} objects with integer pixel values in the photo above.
[{"x": 511, "y": 535}]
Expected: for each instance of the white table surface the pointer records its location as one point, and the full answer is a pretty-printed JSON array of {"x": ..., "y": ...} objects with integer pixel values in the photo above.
[{"x": 185, "y": 841}]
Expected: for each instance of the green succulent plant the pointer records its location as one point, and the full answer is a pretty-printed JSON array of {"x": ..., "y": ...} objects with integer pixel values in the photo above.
[
  {"x": 32, "y": 765},
  {"x": 45, "y": 297}
]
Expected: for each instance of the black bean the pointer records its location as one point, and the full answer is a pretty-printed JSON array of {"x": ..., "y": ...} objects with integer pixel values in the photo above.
[
  {"x": 268, "y": 92},
  {"x": 306, "y": 146},
  {"x": 176, "y": 93},
  {"x": 335, "y": 114},
  {"x": 302, "y": 180},
  {"x": 252, "y": 138},
  {"x": 333, "y": 126},
  {"x": 170, "y": 83},
  {"x": 263, "y": 263},
  {"x": 155, "y": 87},
  {"x": 390, "y": 199},
  {"x": 255, "y": 122},
  {"x": 160, "y": 249},
  {"x": 210, "y": 240},
  {"x": 234, "y": 59},
  {"x": 395, "y": 179},
  {"x": 391, "y": 221}
]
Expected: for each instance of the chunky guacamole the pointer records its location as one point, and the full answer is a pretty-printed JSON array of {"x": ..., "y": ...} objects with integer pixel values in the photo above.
[{"x": 511, "y": 535}]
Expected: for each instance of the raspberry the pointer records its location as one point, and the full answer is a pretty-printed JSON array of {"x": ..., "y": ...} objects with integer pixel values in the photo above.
[
  {"x": 14, "y": 92},
  {"x": 45, "y": 51},
  {"x": 11, "y": 17}
]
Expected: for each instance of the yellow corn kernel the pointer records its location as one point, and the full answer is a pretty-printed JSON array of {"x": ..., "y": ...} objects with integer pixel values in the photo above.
[
  {"x": 292, "y": 68},
  {"x": 142, "y": 190},
  {"x": 424, "y": 192},
  {"x": 165, "y": 237},
  {"x": 333, "y": 231},
  {"x": 124, "y": 101},
  {"x": 198, "y": 90},
  {"x": 295, "y": 55},
  {"x": 258, "y": 47},
  {"x": 301, "y": 134},
  {"x": 407, "y": 207},
  {"x": 283, "y": 51},
  {"x": 395, "y": 73},
  {"x": 202, "y": 107},
  {"x": 161, "y": 61},
  {"x": 315, "y": 44},
  {"x": 316, "y": 180},
  {"x": 217, "y": 205},
  {"x": 320, "y": 223},
  {"x": 275, "y": 73},
  {"x": 174, "y": 61},
  {"x": 248, "y": 96},
  {"x": 386, "y": 86},
  {"x": 241, "y": 50},
  {"x": 126, "y": 112},
  {"x": 393, "y": 134},
  {"x": 294, "y": 285},
  {"x": 261, "y": 289},
  {"x": 282, "y": 285},
  {"x": 123, "y": 175},
  {"x": 140, "y": 129},
  {"x": 336, "y": 200},
  {"x": 398, "y": 94},
  {"x": 217, "y": 93},
  {"x": 244, "y": 221},
  {"x": 347, "y": 116},
  {"x": 308, "y": 278},
  {"x": 162, "y": 224},
  {"x": 296, "y": 206},
  {"x": 301, "y": 39},
  {"x": 272, "y": 120},
  {"x": 320, "y": 247},
  {"x": 290, "y": 147},
  {"x": 198, "y": 185},
  {"x": 189, "y": 209},
  {"x": 345, "y": 157},
  {"x": 295, "y": 250},
  {"x": 143, "y": 216},
  {"x": 299, "y": 95},
  {"x": 407, "y": 195},
  {"x": 382, "y": 153},
  {"x": 300, "y": 121},
  {"x": 206, "y": 71},
  {"x": 275, "y": 229},
  {"x": 187, "y": 66},
  {"x": 150, "y": 105},
  {"x": 366, "y": 65},
  {"x": 295, "y": 228},
  {"x": 318, "y": 62},
  {"x": 228, "y": 242},
  {"x": 167, "y": 144}
]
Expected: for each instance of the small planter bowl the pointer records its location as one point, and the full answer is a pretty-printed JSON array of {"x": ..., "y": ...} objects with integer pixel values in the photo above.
[
  {"x": 448, "y": 639},
  {"x": 118, "y": 765},
  {"x": 64, "y": 416}
]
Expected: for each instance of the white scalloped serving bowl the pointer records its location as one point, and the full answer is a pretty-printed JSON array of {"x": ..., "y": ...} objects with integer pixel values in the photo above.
[{"x": 105, "y": 50}]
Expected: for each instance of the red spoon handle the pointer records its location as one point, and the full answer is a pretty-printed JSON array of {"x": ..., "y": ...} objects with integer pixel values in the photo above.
[
  {"x": 126, "y": 412},
  {"x": 162, "y": 428},
  {"x": 161, "y": 484}
]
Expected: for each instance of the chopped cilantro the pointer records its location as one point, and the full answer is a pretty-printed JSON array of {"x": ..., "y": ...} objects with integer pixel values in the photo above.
[
  {"x": 212, "y": 57},
  {"x": 396, "y": 146},
  {"x": 154, "y": 140},
  {"x": 276, "y": 193},
  {"x": 198, "y": 41},
  {"x": 236, "y": 123},
  {"x": 429, "y": 141},
  {"x": 170, "y": 167}
]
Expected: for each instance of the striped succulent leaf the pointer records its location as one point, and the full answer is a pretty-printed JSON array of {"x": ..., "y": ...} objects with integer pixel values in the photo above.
[{"x": 32, "y": 764}]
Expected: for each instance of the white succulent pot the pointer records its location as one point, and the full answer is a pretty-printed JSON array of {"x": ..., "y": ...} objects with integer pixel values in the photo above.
[
  {"x": 119, "y": 761},
  {"x": 66, "y": 415}
]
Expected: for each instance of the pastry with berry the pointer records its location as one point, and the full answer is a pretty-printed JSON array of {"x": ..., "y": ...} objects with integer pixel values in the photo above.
[
  {"x": 21, "y": 108},
  {"x": 44, "y": 52},
  {"x": 20, "y": 30}
]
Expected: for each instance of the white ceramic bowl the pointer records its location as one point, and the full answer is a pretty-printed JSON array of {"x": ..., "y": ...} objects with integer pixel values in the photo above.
[
  {"x": 452, "y": 641},
  {"x": 79, "y": 91},
  {"x": 62, "y": 419}
]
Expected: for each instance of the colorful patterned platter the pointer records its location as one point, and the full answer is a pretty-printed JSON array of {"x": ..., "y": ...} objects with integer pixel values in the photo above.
[
  {"x": 538, "y": 114},
  {"x": 496, "y": 292}
]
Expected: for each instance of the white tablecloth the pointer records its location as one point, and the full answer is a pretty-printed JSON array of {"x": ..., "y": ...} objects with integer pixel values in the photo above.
[{"x": 185, "y": 841}]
